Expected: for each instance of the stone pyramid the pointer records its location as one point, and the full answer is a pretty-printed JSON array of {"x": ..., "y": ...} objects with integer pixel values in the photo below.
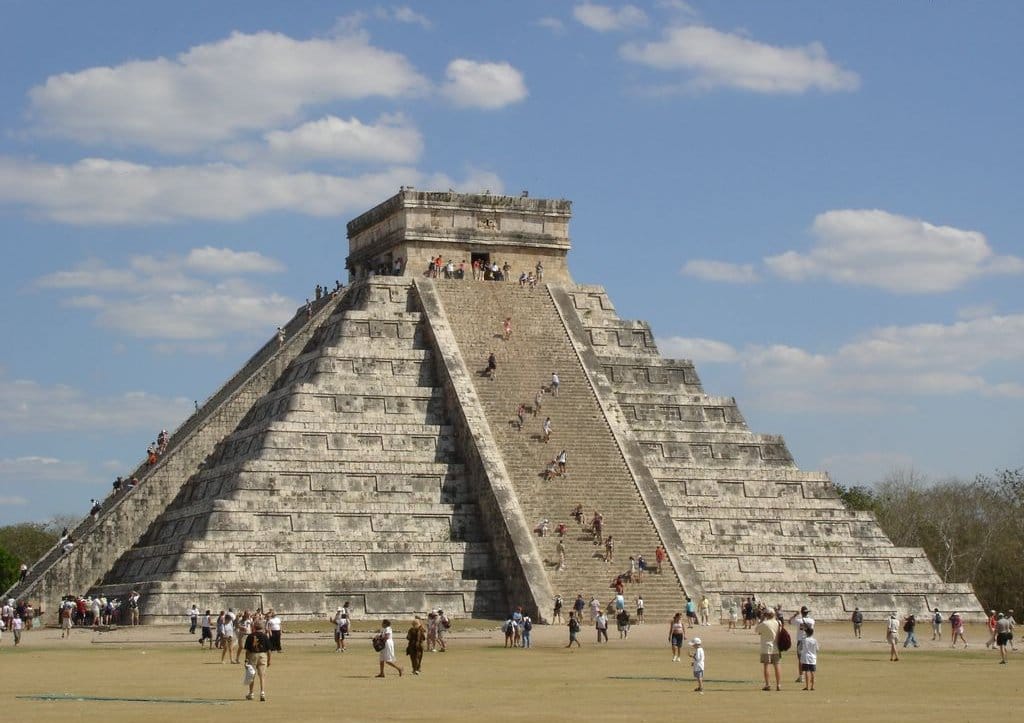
[{"x": 367, "y": 458}]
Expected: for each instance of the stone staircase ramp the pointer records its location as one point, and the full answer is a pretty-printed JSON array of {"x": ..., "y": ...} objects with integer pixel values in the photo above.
[{"x": 598, "y": 476}]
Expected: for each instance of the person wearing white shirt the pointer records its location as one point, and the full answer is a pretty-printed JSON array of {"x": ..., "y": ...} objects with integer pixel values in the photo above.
[{"x": 698, "y": 664}]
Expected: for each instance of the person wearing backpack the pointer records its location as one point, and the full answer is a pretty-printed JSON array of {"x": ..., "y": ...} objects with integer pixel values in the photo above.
[
  {"x": 768, "y": 631},
  {"x": 857, "y": 619},
  {"x": 574, "y": 630},
  {"x": 527, "y": 629},
  {"x": 936, "y": 625}
]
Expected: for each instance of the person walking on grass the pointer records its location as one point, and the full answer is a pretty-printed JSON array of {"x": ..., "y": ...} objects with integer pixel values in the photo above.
[
  {"x": 768, "y": 631},
  {"x": 698, "y": 664},
  {"x": 809, "y": 659},
  {"x": 909, "y": 626},
  {"x": 858, "y": 620},
  {"x": 1004, "y": 634},
  {"x": 574, "y": 630},
  {"x": 601, "y": 623},
  {"x": 416, "y": 636},
  {"x": 956, "y": 622},
  {"x": 892, "y": 636},
  {"x": 387, "y": 653},
  {"x": 676, "y": 636},
  {"x": 936, "y": 624},
  {"x": 257, "y": 654}
]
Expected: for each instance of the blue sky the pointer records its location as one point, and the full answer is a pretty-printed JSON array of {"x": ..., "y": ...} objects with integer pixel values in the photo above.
[{"x": 817, "y": 202}]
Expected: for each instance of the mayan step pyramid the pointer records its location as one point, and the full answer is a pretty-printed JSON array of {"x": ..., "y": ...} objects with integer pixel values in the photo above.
[{"x": 368, "y": 457}]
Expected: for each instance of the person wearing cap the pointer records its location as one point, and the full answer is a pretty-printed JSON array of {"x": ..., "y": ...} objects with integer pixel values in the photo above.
[
  {"x": 804, "y": 621},
  {"x": 698, "y": 664},
  {"x": 892, "y": 636}
]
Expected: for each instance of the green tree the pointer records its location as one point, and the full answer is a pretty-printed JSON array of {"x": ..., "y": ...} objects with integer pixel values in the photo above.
[
  {"x": 27, "y": 541},
  {"x": 9, "y": 569}
]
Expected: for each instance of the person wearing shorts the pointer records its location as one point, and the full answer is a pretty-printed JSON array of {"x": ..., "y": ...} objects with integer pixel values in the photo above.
[
  {"x": 1004, "y": 634},
  {"x": 257, "y": 654},
  {"x": 768, "y": 630},
  {"x": 809, "y": 659}
]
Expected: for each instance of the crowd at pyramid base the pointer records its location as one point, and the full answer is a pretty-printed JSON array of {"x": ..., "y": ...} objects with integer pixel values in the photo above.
[{"x": 388, "y": 449}]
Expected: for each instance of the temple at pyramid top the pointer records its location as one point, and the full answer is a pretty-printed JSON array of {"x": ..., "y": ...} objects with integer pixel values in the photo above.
[{"x": 414, "y": 227}]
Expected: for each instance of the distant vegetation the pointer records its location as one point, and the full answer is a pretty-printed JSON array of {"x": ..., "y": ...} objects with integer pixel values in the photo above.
[
  {"x": 26, "y": 542},
  {"x": 972, "y": 531}
]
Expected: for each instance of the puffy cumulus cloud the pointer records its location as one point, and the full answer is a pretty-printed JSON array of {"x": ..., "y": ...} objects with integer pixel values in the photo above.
[
  {"x": 28, "y": 407},
  {"x": 885, "y": 368},
  {"x": 212, "y": 260},
  {"x": 189, "y": 308},
  {"x": 717, "y": 59},
  {"x": 603, "y": 18},
  {"x": 700, "y": 351},
  {"x": 719, "y": 271},
  {"x": 892, "y": 252},
  {"x": 214, "y": 91},
  {"x": 472, "y": 84},
  {"x": 392, "y": 139},
  {"x": 101, "y": 191}
]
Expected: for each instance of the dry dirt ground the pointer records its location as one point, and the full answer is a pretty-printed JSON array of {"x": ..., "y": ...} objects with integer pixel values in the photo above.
[{"x": 159, "y": 674}]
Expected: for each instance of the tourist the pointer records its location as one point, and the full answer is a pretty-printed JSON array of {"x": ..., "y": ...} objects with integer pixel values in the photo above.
[
  {"x": 539, "y": 269},
  {"x": 609, "y": 548},
  {"x": 641, "y": 568},
  {"x": 622, "y": 623},
  {"x": 546, "y": 430},
  {"x": 577, "y": 514},
  {"x": 22, "y": 572},
  {"x": 659, "y": 558},
  {"x": 506, "y": 328},
  {"x": 257, "y": 654},
  {"x": 431, "y": 631},
  {"x": 858, "y": 620},
  {"x": 991, "y": 622},
  {"x": 676, "y": 636},
  {"x": 193, "y": 618},
  {"x": 341, "y": 623},
  {"x": 520, "y": 415},
  {"x": 705, "y": 610},
  {"x": 691, "y": 612},
  {"x": 492, "y": 366},
  {"x": 768, "y": 631},
  {"x": 1013, "y": 622},
  {"x": 1004, "y": 634},
  {"x": 563, "y": 462},
  {"x": 207, "y": 630},
  {"x": 956, "y": 622},
  {"x": 601, "y": 624},
  {"x": 274, "y": 630},
  {"x": 517, "y": 631},
  {"x": 639, "y": 610},
  {"x": 936, "y": 624},
  {"x": 387, "y": 653},
  {"x": 698, "y": 664},
  {"x": 17, "y": 624},
  {"x": 578, "y": 605},
  {"x": 595, "y": 608},
  {"x": 509, "y": 628},
  {"x": 909, "y": 625},
  {"x": 556, "y": 614},
  {"x": 416, "y": 636},
  {"x": 574, "y": 629},
  {"x": 538, "y": 401},
  {"x": 243, "y": 628},
  {"x": 526, "y": 631},
  {"x": 804, "y": 621},
  {"x": 809, "y": 658},
  {"x": 734, "y": 614},
  {"x": 65, "y": 613},
  {"x": 560, "y": 549},
  {"x": 94, "y": 509},
  {"x": 133, "y": 606},
  {"x": 892, "y": 636},
  {"x": 227, "y": 641},
  {"x": 555, "y": 381},
  {"x": 443, "y": 624}
]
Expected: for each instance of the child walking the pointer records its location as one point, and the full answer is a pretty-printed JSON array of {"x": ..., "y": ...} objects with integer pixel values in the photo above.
[
  {"x": 698, "y": 664},
  {"x": 809, "y": 658}
]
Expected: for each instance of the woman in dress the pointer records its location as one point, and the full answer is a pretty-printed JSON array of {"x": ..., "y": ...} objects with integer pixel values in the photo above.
[{"x": 387, "y": 653}]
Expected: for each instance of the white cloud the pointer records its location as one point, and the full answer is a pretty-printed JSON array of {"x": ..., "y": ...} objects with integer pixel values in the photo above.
[
  {"x": 719, "y": 271},
  {"x": 471, "y": 84},
  {"x": 212, "y": 260},
  {"x": 892, "y": 252},
  {"x": 213, "y": 92},
  {"x": 717, "y": 59},
  {"x": 553, "y": 24},
  {"x": 101, "y": 191},
  {"x": 603, "y": 18},
  {"x": 186, "y": 309},
  {"x": 29, "y": 407},
  {"x": 405, "y": 14},
  {"x": 392, "y": 139},
  {"x": 700, "y": 351},
  {"x": 884, "y": 368}
]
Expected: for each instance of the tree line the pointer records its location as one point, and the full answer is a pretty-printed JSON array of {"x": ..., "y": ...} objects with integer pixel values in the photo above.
[{"x": 971, "y": 530}]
